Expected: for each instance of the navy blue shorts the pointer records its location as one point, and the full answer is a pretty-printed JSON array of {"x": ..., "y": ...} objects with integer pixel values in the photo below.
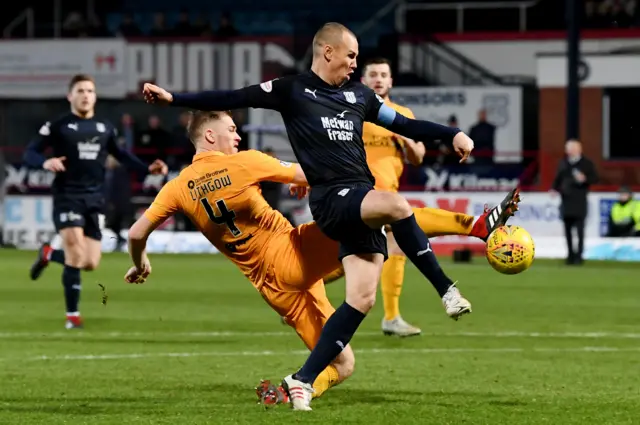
[
  {"x": 84, "y": 211},
  {"x": 336, "y": 210}
]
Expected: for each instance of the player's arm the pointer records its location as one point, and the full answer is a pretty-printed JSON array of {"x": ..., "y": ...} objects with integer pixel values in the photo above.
[
  {"x": 414, "y": 151},
  {"x": 268, "y": 95},
  {"x": 34, "y": 155},
  {"x": 131, "y": 161},
  {"x": 164, "y": 206},
  {"x": 264, "y": 167},
  {"x": 387, "y": 117}
]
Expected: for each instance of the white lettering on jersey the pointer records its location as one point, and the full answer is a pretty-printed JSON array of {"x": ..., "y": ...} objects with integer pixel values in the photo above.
[
  {"x": 89, "y": 149},
  {"x": 338, "y": 129}
]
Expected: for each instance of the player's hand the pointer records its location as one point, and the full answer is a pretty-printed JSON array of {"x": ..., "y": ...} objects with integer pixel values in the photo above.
[
  {"x": 463, "y": 145},
  {"x": 138, "y": 276},
  {"x": 158, "y": 167},
  {"x": 156, "y": 94},
  {"x": 55, "y": 164},
  {"x": 299, "y": 191}
]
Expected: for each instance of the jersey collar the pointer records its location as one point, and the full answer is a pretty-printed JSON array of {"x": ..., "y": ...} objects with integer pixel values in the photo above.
[
  {"x": 323, "y": 83},
  {"x": 203, "y": 155}
]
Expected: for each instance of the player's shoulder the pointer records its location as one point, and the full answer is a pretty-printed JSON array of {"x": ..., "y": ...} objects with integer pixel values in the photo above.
[
  {"x": 248, "y": 157},
  {"x": 60, "y": 120},
  {"x": 280, "y": 83},
  {"x": 400, "y": 108},
  {"x": 103, "y": 125},
  {"x": 367, "y": 92}
]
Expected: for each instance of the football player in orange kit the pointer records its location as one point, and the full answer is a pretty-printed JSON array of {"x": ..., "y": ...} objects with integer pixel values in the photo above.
[
  {"x": 220, "y": 193},
  {"x": 386, "y": 153}
]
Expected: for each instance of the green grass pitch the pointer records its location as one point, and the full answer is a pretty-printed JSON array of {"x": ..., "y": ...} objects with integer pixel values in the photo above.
[{"x": 554, "y": 345}]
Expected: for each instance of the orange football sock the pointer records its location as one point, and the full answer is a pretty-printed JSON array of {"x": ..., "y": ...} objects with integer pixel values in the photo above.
[
  {"x": 327, "y": 379},
  {"x": 391, "y": 283},
  {"x": 437, "y": 222},
  {"x": 334, "y": 275}
]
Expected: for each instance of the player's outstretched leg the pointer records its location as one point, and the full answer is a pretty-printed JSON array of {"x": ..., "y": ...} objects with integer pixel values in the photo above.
[
  {"x": 492, "y": 218},
  {"x": 46, "y": 254},
  {"x": 380, "y": 208},
  {"x": 438, "y": 222}
]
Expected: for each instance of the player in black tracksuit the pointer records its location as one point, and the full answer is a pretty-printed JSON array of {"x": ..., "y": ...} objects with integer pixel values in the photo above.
[
  {"x": 324, "y": 111},
  {"x": 80, "y": 143}
]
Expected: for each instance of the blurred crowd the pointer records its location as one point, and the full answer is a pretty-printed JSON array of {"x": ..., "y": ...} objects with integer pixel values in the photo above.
[
  {"x": 611, "y": 14},
  {"x": 77, "y": 25}
]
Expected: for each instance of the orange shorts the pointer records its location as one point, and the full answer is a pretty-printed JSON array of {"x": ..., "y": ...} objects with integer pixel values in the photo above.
[{"x": 293, "y": 286}]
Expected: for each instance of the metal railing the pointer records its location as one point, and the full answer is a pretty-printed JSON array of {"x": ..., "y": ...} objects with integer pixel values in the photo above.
[
  {"x": 25, "y": 17},
  {"x": 460, "y": 8}
]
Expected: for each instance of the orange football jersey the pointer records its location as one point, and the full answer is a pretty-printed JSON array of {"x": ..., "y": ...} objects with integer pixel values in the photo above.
[
  {"x": 385, "y": 152},
  {"x": 221, "y": 196}
]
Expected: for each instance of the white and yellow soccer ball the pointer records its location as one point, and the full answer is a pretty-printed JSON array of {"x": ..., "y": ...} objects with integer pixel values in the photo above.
[{"x": 510, "y": 249}]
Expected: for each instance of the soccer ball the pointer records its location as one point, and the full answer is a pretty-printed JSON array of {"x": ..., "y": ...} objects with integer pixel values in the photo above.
[{"x": 510, "y": 249}]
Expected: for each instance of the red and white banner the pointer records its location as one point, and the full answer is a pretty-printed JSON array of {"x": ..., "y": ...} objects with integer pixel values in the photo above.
[{"x": 31, "y": 69}]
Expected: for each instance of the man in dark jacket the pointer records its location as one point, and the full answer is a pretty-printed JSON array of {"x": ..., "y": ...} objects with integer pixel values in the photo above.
[{"x": 575, "y": 174}]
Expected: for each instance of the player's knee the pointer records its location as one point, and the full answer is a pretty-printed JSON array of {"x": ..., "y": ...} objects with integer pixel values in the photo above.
[
  {"x": 91, "y": 264},
  {"x": 398, "y": 208},
  {"x": 74, "y": 254},
  {"x": 362, "y": 302}
]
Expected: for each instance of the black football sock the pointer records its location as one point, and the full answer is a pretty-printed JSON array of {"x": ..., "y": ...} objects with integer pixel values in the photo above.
[
  {"x": 71, "y": 283},
  {"x": 415, "y": 244},
  {"x": 57, "y": 256},
  {"x": 336, "y": 334}
]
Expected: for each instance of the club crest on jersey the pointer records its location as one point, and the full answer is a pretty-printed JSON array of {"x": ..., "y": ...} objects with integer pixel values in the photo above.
[
  {"x": 267, "y": 86},
  {"x": 350, "y": 96},
  {"x": 101, "y": 127}
]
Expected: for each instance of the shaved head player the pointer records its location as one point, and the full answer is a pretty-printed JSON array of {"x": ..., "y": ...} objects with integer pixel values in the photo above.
[{"x": 324, "y": 111}]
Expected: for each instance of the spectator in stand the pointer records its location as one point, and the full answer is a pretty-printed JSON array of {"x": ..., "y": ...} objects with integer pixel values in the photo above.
[
  {"x": 74, "y": 26},
  {"x": 575, "y": 174},
  {"x": 183, "y": 27},
  {"x": 97, "y": 29},
  {"x": 624, "y": 218},
  {"x": 226, "y": 29},
  {"x": 153, "y": 141},
  {"x": 483, "y": 134},
  {"x": 181, "y": 148},
  {"x": 202, "y": 26},
  {"x": 159, "y": 28},
  {"x": 128, "y": 27}
]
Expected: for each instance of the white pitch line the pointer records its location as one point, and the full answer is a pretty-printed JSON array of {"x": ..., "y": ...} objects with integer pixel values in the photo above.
[
  {"x": 363, "y": 351},
  {"x": 219, "y": 334}
]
